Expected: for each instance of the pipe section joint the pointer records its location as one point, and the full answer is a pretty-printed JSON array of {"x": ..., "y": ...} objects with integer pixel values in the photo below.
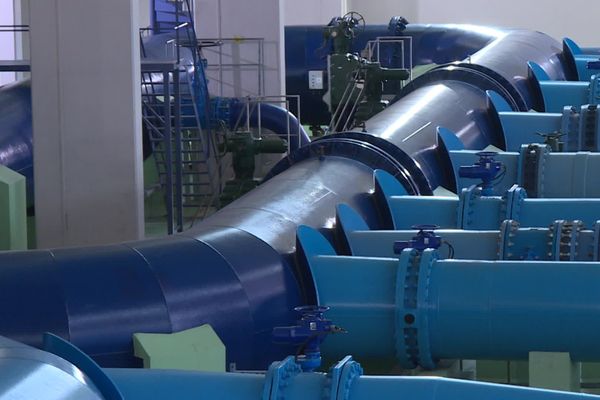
[{"x": 412, "y": 297}]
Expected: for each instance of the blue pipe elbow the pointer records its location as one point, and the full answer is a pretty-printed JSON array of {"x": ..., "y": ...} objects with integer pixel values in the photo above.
[
  {"x": 16, "y": 139},
  {"x": 274, "y": 118}
]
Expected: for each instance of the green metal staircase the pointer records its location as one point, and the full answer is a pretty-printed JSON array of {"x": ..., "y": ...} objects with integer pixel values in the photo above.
[{"x": 175, "y": 114}]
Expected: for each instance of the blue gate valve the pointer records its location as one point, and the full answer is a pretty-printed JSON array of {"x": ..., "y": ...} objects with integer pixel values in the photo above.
[
  {"x": 311, "y": 331},
  {"x": 486, "y": 169},
  {"x": 425, "y": 239}
]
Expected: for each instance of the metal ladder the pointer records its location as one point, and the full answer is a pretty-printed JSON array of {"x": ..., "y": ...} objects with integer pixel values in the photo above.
[
  {"x": 343, "y": 117},
  {"x": 194, "y": 158}
]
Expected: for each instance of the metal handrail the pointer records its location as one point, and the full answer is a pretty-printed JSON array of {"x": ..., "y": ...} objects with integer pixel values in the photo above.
[{"x": 14, "y": 28}]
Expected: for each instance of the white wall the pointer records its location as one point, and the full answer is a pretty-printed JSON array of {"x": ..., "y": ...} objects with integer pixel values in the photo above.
[
  {"x": 380, "y": 11},
  {"x": 22, "y": 38},
  {"x": 548, "y": 16},
  {"x": 144, "y": 9},
  {"x": 86, "y": 102},
  {"x": 240, "y": 20},
  {"x": 312, "y": 12},
  {"x": 577, "y": 19},
  {"x": 7, "y": 40}
]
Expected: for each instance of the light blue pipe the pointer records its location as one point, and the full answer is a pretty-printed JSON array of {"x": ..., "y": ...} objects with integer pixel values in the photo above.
[
  {"x": 142, "y": 385},
  {"x": 63, "y": 372},
  {"x": 419, "y": 309},
  {"x": 471, "y": 210},
  {"x": 562, "y": 241},
  {"x": 579, "y": 125},
  {"x": 585, "y": 64},
  {"x": 558, "y": 94},
  {"x": 558, "y": 175}
]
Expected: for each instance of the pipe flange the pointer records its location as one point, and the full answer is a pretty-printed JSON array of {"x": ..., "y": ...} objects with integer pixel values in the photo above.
[
  {"x": 350, "y": 373},
  {"x": 468, "y": 199},
  {"x": 428, "y": 259},
  {"x": 412, "y": 298},
  {"x": 366, "y": 149},
  {"x": 511, "y": 203},
  {"x": 594, "y": 91},
  {"x": 278, "y": 377},
  {"x": 406, "y": 335},
  {"x": 568, "y": 240},
  {"x": 508, "y": 231},
  {"x": 340, "y": 379}
]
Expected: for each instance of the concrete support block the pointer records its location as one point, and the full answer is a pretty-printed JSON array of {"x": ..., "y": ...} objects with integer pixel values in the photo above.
[
  {"x": 509, "y": 372},
  {"x": 196, "y": 349},
  {"x": 554, "y": 371},
  {"x": 13, "y": 210}
]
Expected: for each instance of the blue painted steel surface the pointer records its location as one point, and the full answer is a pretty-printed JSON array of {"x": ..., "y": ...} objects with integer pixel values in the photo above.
[
  {"x": 284, "y": 381},
  {"x": 428, "y": 100},
  {"x": 237, "y": 270},
  {"x": 419, "y": 309},
  {"x": 561, "y": 241},
  {"x": 63, "y": 372},
  {"x": 558, "y": 94},
  {"x": 32, "y": 374},
  {"x": 472, "y": 210},
  {"x": 567, "y": 175},
  {"x": 584, "y": 65},
  {"x": 138, "y": 288},
  {"x": 579, "y": 127}
]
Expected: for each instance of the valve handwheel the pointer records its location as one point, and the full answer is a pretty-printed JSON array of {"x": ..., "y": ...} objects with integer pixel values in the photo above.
[{"x": 357, "y": 24}]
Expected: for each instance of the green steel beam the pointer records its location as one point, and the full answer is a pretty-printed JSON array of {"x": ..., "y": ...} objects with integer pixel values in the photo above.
[
  {"x": 196, "y": 349},
  {"x": 13, "y": 210}
]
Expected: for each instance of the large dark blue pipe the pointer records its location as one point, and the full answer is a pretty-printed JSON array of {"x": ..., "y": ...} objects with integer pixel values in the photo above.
[
  {"x": 16, "y": 140},
  {"x": 453, "y": 96},
  {"x": 237, "y": 270},
  {"x": 431, "y": 44}
]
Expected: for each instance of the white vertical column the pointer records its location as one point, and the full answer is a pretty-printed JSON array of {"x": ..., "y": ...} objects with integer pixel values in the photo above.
[
  {"x": 86, "y": 121},
  {"x": 144, "y": 9},
  {"x": 7, "y": 40}
]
